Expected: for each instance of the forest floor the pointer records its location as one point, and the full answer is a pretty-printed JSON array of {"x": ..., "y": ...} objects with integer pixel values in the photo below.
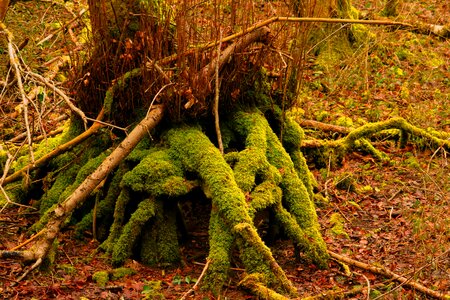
[{"x": 392, "y": 214}]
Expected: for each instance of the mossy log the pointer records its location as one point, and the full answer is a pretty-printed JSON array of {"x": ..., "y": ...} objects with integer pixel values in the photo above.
[{"x": 333, "y": 151}]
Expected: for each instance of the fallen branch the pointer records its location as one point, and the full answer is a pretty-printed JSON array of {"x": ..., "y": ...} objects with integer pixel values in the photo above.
[
  {"x": 434, "y": 29},
  {"x": 63, "y": 210},
  {"x": 339, "y": 294},
  {"x": 194, "y": 288},
  {"x": 385, "y": 272},
  {"x": 14, "y": 60},
  {"x": 41, "y": 137},
  {"x": 216, "y": 101},
  {"x": 55, "y": 152},
  {"x": 324, "y": 126}
]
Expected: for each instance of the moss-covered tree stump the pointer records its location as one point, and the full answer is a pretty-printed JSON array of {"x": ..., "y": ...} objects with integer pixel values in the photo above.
[{"x": 260, "y": 176}]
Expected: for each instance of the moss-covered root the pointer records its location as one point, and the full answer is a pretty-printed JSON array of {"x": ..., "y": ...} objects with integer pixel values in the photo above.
[
  {"x": 105, "y": 208},
  {"x": 158, "y": 175},
  {"x": 435, "y": 138},
  {"x": 293, "y": 135},
  {"x": 119, "y": 219},
  {"x": 258, "y": 259},
  {"x": 198, "y": 155},
  {"x": 159, "y": 244},
  {"x": 255, "y": 283},
  {"x": 298, "y": 236},
  {"x": 132, "y": 230},
  {"x": 221, "y": 241},
  {"x": 298, "y": 199},
  {"x": 358, "y": 139}
]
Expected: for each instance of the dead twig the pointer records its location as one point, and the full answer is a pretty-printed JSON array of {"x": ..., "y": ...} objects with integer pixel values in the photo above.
[
  {"x": 368, "y": 283},
  {"x": 27, "y": 241},
  {"x": 216, "y": 99},
  {"x": 61, "y": 94},
  {"x": 34, "y": 266},
  {"x": 194, "y": 288},
  {"x": 14, "y": 60}
]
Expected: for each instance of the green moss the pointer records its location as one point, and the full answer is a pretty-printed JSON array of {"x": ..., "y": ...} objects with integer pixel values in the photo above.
[
  {"x": 142, "y": 149},
  {"x": 87, "y": 169},
  {"x": 293, "y": 135},
  {"x": 412, "y": 162},
  {"x": 16, "y": 191},
  {"x": 344, "y": 121},
  {"x": 158, "y": 174},
  {"x": 119, "y": 216},
  {"x": 121, "y": 272},
  {"x": 68, "y": 269},
  {"x": 3, "y": 157},
  {"x": 367, "y": 189},
  {"x": 101, "y": 278},
  {"x": 338, "y": 228},
  {"x": 197, "y": 154},
  {"x": 366, "y": 146},
  {"x": 256, "y": 284},
  {"x": 322, "y": 115},
  {"x": 152, "y": 290},
  {"x": 159, "y": 242},
  {"x": 66, "y": 182},
  {"x": 303, "y": 172},
  {"x": 361, "y": 34},
  {"x": 258, "y": 258},
  {"x": 105, "y": 208},
  {"x": 295, "y": 193},
  {"x": 44, "y": 147},
  {"x": 131, "y": 231},
  {"x": 61, "y": 181},
  {"x": 252, "y": 259},
  {"x": 263, "y": 196},
  {"x": 298, "y": 200},
  {"x": 220, "y": 245}
]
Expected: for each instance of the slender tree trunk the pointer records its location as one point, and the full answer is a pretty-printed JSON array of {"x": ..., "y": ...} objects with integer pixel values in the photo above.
[{"x": 3, "y": 8}]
